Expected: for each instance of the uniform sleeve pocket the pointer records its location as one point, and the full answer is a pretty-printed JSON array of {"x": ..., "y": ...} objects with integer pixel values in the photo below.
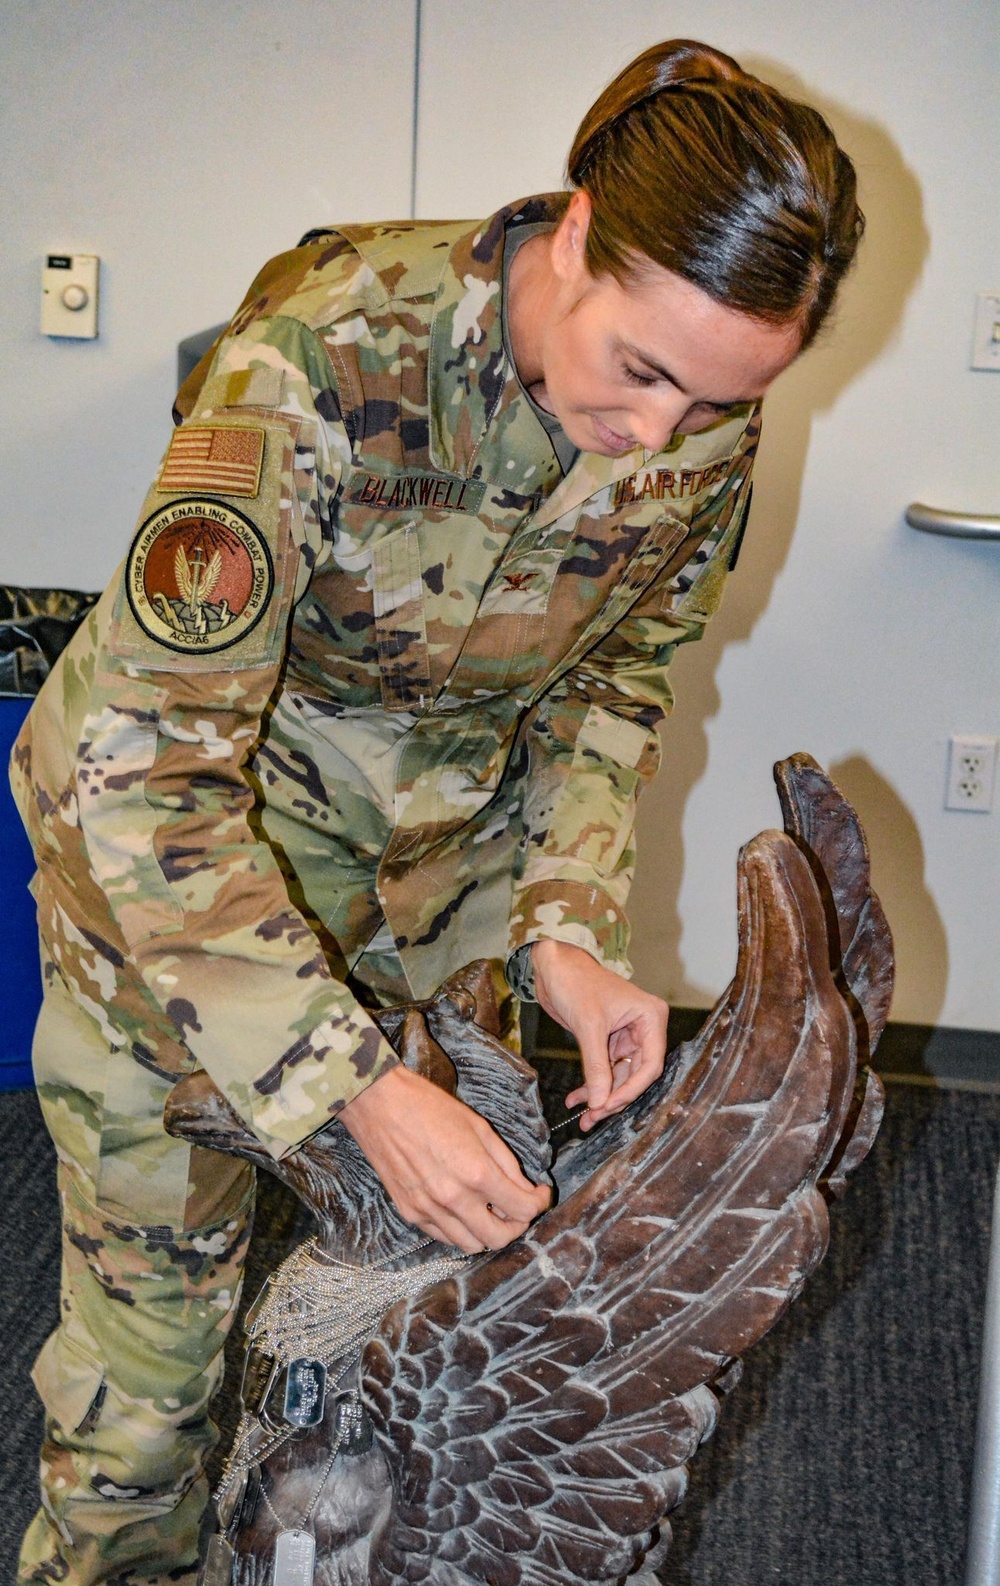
[
  {"x": 117, "y": 751},
  {"x": 702, "y": 599},
  {"x": 622, "y": 741},
  {"x": 69, "y": 1380},
  {"x": 598, "y": 807}
]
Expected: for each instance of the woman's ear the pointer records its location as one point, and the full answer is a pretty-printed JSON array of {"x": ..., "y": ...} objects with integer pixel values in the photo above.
[{"x": 568, "y": 251}]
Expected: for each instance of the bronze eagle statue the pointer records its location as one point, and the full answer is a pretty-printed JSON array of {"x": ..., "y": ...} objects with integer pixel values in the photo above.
[{"x": 526, "y": 1417}]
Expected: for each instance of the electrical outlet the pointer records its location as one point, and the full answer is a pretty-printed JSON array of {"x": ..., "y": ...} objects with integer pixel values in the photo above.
[{"x": 972, "y": 764}]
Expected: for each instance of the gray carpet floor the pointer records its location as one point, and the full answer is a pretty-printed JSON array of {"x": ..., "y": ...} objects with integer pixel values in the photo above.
[{"x": 844, "y": 1456}]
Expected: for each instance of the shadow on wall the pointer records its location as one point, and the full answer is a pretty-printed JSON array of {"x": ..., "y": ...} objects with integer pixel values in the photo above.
[
  {"x": 869, "y": 312},
  {"x": 898, "y": 877}
]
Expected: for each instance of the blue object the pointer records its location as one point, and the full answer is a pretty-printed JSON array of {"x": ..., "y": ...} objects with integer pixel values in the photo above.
[{"x": 20, "y": 977}]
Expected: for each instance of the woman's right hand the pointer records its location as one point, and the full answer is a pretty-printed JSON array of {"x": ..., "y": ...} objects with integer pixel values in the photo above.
[{"x": 445, "y": 1168}]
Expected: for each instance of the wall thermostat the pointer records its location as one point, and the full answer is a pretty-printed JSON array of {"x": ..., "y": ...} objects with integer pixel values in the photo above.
[{"x": 69, "y": 295}]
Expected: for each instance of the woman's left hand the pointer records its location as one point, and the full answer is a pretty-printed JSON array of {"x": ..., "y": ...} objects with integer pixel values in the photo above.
[{"x": 621, "y": 1031}]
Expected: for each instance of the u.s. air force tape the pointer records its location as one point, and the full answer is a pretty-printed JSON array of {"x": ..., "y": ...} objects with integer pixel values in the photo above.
[{"x": 199, "y": 576}]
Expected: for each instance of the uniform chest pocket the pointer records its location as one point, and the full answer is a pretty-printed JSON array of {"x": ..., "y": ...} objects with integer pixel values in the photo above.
[
  {"x": 640, "y": 572},
  {"x": 400, "y": 624},
  {"x": 636, "y": 577},
  {"x": 522, "y": 585}
]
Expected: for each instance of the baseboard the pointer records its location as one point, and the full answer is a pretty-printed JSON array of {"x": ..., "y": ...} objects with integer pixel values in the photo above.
[
  {"x": 921, "y": 1054},
  {"x": 916, "y": 1054},
  {"x": 940, "y": 1054}
]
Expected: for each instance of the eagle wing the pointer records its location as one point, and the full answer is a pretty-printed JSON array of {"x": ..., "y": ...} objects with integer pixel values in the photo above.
[
  {"x": 827, "y": 829},
  {"x": 537, "y": 1411},
  {"x": 182, "y": 573},
  {"x": 210, "y": 577}
]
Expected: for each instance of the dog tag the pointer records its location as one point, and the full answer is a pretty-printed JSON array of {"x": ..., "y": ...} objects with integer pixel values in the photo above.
[
  {"x": 305, "y": 1391},
  {"x": 258, "y": 1374},
  {"x": 228, "y": 1506},
  {"x": 294, "y": 1558},
  {"x": 217, "y": 1569},
  {"x": 238, "y": 1504},
  {"x": 354, "y": 1427},
  {"x": 251, "y": 1496}
]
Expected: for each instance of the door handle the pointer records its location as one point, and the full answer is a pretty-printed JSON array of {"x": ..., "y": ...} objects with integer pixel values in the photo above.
[{"x": 957, "y": 525}]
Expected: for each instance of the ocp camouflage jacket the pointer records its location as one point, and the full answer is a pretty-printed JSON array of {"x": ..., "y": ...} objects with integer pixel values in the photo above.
[{"x": 370, "y": 656}]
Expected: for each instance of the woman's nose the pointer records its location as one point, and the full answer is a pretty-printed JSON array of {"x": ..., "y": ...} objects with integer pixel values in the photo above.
[{"x": 655, "y": 423}]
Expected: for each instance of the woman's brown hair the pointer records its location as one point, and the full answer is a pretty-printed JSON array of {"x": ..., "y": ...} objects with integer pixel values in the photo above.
[{"x": 692, "y": 163}]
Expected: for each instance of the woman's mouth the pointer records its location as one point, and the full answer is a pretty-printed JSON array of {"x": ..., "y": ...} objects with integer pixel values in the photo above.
[{"x": 610, "y": 439}]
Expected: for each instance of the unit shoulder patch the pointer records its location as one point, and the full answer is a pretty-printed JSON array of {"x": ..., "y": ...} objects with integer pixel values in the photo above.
[
  {"x": 199, "y": 576},
  {"x": 226, "y": 458}
]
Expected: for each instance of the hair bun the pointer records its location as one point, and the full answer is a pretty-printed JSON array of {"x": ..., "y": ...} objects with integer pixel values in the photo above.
[
  {"x": 688, "y": 61},
  {"x": 672, "y": 64}
]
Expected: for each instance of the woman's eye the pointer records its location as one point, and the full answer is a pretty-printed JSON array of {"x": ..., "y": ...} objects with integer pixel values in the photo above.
[{"x": 635, "y": 378}]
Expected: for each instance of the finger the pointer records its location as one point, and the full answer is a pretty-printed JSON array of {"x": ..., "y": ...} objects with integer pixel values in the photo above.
[
  {"x": 621, "y": 1073},
  {"x": 623, "y": 1044},
  {"x": 596, "y": 1066},
  {"x": 490, "y": 1231},
  {"x": 449, "y": 1230},
  {"x": 472, "y": 1230},
  {"x": 638, "y": 1051},
  {"x": 470, "y": 1221},
  {"x": 508, "y": 1192},
  {"x": 629, "y": 1078},
  {"x": 521, "y": 1217},
  {"x": 636, "y": 1079},
  {"x": 499, "y": 1152},
  {"x": 632, "y": 1076}
]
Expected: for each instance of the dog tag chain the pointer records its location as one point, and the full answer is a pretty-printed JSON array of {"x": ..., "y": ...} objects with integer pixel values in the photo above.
[
  {"x": 313, "y": 1312},
  {"x": 295, "y": 1551}
]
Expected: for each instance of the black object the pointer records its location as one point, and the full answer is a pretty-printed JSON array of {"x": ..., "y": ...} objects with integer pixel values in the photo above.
[
  {"x": 192, "y": 350},
  {"x": 35, "y": 625}
]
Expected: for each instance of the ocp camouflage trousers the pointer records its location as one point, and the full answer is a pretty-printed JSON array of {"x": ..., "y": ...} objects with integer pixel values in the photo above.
[{"x": 154, "y": 1238}]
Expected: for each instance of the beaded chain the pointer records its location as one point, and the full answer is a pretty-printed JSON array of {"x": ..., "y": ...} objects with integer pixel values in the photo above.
[
  {"x": 317, "y": 1307},
  {"x": 322, "y": 1309}
]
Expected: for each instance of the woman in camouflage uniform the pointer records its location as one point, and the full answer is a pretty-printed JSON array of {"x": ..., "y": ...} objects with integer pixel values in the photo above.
[{"x": 373, "y": 695}]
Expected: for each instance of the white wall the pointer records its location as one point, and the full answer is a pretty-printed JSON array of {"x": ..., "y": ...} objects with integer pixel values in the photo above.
[
  {"x": 844, "y": 632},
  {"x": 187, "y": 142},
  {"x": 184, "y": 143}
]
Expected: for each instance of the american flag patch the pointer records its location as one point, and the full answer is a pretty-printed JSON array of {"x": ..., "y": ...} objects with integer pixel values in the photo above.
[{"x": 202, "y": 457}]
